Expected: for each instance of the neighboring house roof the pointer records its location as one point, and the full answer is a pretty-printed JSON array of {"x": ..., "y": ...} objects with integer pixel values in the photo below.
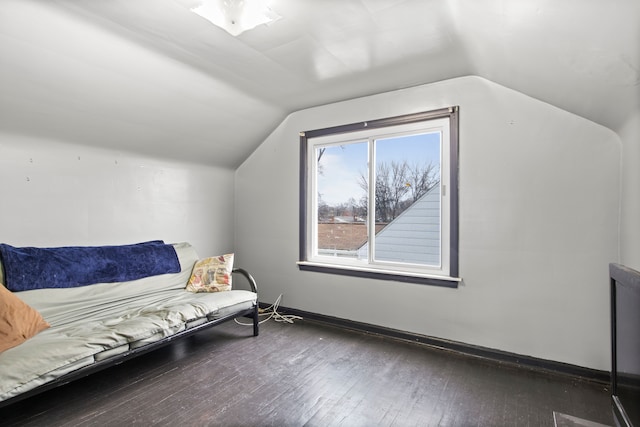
[{"x": 413, "y": 236}]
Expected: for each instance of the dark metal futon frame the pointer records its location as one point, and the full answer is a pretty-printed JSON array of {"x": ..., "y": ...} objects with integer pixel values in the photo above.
[{"x": 116, "y": 360}]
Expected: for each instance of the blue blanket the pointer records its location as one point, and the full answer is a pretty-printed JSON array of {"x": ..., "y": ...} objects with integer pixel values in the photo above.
[{"x": 29, "y": 268}]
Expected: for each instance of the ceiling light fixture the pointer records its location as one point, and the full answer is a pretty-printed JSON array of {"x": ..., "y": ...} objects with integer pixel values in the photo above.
[{"x": 236, "y": 16}]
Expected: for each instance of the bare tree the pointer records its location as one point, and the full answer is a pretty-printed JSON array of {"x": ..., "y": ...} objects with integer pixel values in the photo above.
[
  {"x": 422, "y": 178},
  {"x": 393, "y": 182},
  {"x": 320, "y": 166},
  {"x": 324, "y": 210}
]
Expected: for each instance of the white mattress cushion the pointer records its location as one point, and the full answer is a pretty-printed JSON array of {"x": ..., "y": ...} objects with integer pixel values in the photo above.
[{"x": 99, "y": 321}]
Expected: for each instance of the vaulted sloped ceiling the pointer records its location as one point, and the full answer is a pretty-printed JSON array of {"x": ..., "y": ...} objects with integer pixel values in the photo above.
[{"x": 150, "y": 76}]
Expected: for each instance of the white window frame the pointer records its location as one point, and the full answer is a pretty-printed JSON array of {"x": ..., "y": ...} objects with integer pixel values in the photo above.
[{"x": 444, "y": 121}]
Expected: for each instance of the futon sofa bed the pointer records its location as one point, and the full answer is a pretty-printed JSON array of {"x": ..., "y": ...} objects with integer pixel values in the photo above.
[{"x": 77, "y": 310}]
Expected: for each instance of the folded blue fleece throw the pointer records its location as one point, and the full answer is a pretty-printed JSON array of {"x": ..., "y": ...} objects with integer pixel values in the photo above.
[{"x": 72, "y": 266}]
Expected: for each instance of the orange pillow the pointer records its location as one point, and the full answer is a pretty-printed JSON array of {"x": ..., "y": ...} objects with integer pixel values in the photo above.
[{"x": 18, "y": 321}]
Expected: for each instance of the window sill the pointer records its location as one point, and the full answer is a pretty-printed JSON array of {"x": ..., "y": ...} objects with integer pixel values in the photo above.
[{"x": 372, "y": 273}]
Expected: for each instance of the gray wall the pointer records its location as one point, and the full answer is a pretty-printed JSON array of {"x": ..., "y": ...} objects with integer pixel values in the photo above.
[
  {"x": 630, "y": 194},
  {"x": 56, "y": 194},
  {"x": 539, "y": 214}
]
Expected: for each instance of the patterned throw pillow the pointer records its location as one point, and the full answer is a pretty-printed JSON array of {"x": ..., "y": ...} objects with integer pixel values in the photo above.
[
  {"x": 18, "y": 321},
  {"x": 211, "y": 274}
]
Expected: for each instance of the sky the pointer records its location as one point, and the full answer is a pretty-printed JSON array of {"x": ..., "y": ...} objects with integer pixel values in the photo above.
[{"x": 342, "y": 165}]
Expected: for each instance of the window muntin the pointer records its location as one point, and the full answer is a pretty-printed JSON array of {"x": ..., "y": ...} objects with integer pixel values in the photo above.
[{"x": 415, "y": 158}]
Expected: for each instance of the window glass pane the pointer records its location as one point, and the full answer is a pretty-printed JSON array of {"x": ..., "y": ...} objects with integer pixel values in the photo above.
[
  {"x": 407, "y": 199},
  {"x": 341, "y": 199}
]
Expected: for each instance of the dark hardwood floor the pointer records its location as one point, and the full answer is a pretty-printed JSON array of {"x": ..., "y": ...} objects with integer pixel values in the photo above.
[{"x": 310, "y": 374}]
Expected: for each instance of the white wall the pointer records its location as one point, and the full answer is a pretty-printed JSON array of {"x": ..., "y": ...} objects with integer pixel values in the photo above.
[
  {"x": 58, "y": 194},
  {"x": 630, "y": 194},
  {"x": 539, "y": 208}
]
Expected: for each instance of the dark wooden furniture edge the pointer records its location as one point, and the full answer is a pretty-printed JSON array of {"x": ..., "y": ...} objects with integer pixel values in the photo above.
[{"x": 619, "y": 275}]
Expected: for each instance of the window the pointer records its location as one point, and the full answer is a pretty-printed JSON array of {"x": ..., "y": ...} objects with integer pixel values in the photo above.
[{"x": 380, "y": 198}]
